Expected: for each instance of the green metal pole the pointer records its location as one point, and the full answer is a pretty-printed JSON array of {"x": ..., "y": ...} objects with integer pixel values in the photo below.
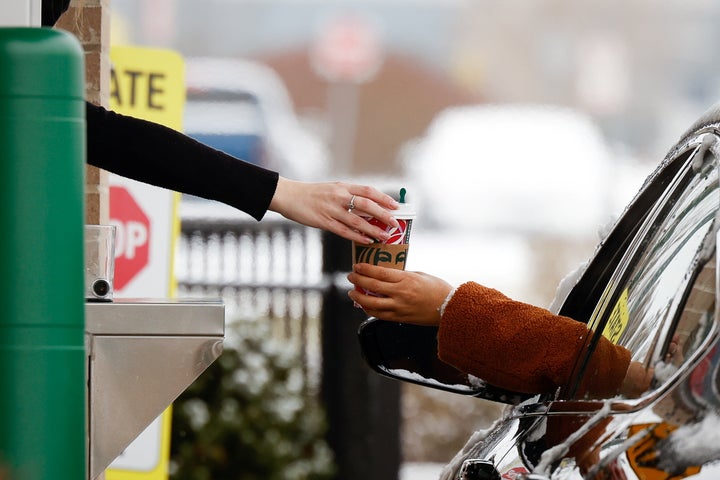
[{"x": 42, "y": 319}]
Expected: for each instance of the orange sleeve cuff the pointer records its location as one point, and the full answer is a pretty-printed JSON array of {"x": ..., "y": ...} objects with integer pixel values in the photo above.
[{"x": 518, "y": 346}]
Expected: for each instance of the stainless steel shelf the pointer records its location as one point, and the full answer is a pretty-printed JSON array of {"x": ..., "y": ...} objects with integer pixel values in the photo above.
[{"x": 142, "y": 354}]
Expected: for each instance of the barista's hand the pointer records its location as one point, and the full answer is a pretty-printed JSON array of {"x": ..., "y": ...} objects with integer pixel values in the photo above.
[
  {"x": 327, "y": 206},
  {"x": 410, "y": 297}
]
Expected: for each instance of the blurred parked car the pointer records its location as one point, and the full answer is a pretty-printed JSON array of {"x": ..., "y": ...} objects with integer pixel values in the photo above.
[
  {"x": 650, "y": 287},
  {"x": 243, "y": 108},
  {"x": 514, "y": 168}
]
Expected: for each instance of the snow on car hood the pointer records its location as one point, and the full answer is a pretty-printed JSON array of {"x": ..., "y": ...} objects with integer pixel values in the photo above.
[{"x": 695, "y": 444}]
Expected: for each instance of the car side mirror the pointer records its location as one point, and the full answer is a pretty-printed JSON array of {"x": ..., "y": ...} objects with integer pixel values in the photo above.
[{"x": 408, "y": 352}]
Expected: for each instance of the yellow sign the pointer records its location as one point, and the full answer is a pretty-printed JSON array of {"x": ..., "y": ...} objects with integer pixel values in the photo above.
[
  {"x": 149, "y": 83},
  {"x": 618, "y": 321}
]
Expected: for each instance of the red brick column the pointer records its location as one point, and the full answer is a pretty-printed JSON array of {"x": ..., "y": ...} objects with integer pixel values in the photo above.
[{"x": 89, "y": 21}]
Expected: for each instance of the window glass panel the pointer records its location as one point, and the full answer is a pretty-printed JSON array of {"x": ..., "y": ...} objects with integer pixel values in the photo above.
[{"x": 663, "y": 293}]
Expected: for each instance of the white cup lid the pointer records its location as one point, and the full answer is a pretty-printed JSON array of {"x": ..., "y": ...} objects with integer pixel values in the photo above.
[{"x": 406, "y": 210}]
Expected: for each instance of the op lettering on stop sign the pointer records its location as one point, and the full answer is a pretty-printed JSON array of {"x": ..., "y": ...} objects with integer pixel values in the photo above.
[
  {"x": 129, "y": 238},
  {"x": 132, "y": 236}
]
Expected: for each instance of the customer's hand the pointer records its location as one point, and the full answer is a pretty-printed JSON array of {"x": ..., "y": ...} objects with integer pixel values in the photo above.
[
  {"x": 328, "y": 206},
  {"x": 638, "y": 379},
  {"x": 409, "y": 297}
]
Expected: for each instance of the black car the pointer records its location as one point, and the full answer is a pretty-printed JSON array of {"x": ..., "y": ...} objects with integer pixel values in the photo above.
[{"x": 650, "y": 287}]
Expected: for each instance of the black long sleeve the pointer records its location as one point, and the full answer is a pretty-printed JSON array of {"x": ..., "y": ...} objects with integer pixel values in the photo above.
[
  {"x": 51, "y": 11},
  {"x": 158, "y": 155}
]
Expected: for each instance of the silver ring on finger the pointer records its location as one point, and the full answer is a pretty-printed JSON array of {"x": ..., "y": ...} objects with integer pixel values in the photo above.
[{"x": 351, "y": 204}]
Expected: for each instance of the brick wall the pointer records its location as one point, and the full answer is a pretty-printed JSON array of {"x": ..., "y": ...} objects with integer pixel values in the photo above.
[{"x": 89, "y": 21}]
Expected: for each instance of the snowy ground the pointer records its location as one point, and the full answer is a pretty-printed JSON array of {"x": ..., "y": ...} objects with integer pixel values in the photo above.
[{"x": 420, "y": 471}]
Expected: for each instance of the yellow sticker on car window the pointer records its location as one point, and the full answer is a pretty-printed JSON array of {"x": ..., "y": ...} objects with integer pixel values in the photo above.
[{"x": 617, "y": 323}]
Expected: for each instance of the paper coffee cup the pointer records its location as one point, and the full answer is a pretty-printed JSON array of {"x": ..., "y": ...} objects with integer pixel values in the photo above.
[{"x": 392, "y": 252}]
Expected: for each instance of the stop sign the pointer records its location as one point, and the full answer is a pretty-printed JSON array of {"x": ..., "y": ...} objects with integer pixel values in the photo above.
[
  {"x": 132, "y": 238},
  {"x": 348, "y": 49}
]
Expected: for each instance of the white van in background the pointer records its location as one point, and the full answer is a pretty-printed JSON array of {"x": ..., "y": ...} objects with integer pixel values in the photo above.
[
  {"x": 513, "y": 195},
  {"x": 528, "y": 169}
]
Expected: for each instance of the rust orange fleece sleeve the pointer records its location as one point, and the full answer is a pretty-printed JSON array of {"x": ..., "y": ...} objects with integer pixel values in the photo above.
[{"x": 522, "y": 347}]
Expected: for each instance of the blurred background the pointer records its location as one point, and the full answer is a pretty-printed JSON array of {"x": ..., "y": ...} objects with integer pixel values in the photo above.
[{"x": 521, "y": 129}]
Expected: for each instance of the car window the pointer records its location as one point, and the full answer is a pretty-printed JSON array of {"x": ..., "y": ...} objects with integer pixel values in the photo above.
[
  {"x": 659, "y": 303},
  {"x": 232, "y": 122},
  {"x": 210, "y": 113}
]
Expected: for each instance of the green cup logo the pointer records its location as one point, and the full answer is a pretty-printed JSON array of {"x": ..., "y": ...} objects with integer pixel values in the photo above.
[
  {"x": 385, "y": 255},
  {"x": 391, "y": 256}
]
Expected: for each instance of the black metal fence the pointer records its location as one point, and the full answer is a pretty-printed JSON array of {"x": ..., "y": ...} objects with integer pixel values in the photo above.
[
  {"x": 270, "y": 270},
  {"x": 293, "y": 277}
]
